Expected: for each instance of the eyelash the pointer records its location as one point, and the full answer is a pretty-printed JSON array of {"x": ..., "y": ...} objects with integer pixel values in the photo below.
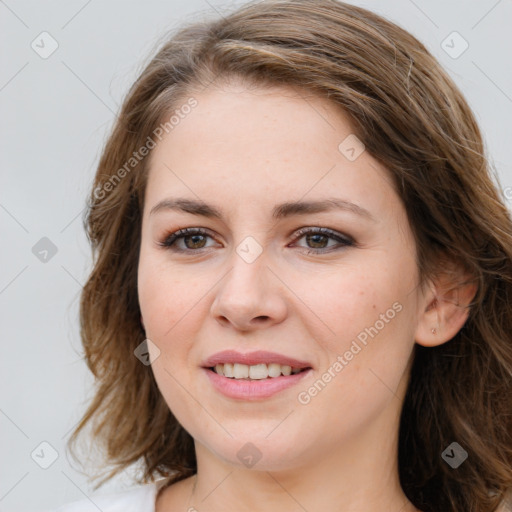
[{"x": 343, "y": 240}]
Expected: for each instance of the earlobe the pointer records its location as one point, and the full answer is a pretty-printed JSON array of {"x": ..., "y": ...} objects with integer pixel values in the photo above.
[
  {"x": 446, "y": 313},
  {"x": 142, "y": 322}
]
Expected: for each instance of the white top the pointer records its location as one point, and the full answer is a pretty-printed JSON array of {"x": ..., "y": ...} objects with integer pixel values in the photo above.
[{"x": 137, "y": 499}]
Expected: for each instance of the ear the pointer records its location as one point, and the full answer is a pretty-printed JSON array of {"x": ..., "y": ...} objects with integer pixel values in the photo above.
[{"x": 445, "y": 308}]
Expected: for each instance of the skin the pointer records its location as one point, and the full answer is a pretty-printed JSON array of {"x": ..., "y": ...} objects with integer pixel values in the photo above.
[{"x": 246, "y": 150}]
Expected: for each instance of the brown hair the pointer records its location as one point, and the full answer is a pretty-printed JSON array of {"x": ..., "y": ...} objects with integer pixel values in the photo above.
[{"x": 412, "y": 118}]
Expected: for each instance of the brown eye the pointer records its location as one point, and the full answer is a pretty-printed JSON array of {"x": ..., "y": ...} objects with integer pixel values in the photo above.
[
  {"x": 318, "y": 240},
  {"x": 194, "y": 240},
  {"x": 197, "y": 241}
]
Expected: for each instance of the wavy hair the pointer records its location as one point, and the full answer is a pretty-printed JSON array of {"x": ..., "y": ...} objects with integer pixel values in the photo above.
[{"x": 413, "y": 119}]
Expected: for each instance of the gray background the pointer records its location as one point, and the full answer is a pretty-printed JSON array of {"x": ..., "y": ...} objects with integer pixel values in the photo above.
[{"x": 55, "y": 115}]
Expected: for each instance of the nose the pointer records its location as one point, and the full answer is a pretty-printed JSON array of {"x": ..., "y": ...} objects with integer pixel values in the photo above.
[{"x": 250, "y": 296}]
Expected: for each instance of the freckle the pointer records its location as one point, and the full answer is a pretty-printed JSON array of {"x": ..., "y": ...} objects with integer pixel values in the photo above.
[{"x": 374, "y": 306}]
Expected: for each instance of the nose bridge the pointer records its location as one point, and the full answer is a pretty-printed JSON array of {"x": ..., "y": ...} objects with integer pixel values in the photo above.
[
  {"x": 245, "y": 282},
  {"x": 248, "y": 290}
]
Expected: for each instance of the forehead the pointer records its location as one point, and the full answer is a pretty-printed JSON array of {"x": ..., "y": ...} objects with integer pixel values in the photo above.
[
  {"x": 259, "y": 120},
  {"x": 241, "y": 145}
]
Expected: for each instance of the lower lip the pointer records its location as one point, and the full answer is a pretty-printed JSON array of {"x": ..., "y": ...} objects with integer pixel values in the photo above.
[{"x": 253, "y": 389}]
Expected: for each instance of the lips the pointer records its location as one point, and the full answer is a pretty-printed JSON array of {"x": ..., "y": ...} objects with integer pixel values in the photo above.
[
  {"x": 254, "y": 358},
  {"x": 231, "y": 373}
]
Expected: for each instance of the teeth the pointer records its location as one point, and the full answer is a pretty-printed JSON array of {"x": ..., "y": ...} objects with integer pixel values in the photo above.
[
  {"x": 286, "y": 370},
  {"x": 255, "y": 371},
  {"x": 258, "y": 371},
  {"x": 228, "y": 370},
  {"x": 240, "y": 371},
  {"x": 274, "y": 370}
]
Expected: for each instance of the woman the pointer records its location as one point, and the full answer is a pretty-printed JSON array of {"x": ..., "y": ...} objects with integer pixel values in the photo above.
[{"x": 303, "y": 276}]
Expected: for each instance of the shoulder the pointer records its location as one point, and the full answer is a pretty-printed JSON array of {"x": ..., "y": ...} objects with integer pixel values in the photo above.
[{"x": 141, "y": 498}]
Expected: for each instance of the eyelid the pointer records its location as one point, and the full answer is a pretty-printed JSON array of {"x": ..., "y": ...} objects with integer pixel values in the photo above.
[
  {"x": 180, "y": 233},
  {"x": 324, "y": 231},
  {"x": 342, "y": 239}
]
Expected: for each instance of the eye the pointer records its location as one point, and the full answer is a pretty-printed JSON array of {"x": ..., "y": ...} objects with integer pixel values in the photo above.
[
  {"x": 319, "y": 237},
  {"x": 194, "y": 239}
]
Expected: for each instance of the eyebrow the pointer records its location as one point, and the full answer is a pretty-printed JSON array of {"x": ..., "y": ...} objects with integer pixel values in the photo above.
[{"x": 280, "y": 211}]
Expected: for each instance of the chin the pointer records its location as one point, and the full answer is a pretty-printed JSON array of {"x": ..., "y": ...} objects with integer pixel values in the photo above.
[{"x": 253, "y": 450}]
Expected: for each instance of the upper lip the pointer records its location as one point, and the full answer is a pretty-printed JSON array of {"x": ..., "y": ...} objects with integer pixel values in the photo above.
[{"x": 252, "y": 358}]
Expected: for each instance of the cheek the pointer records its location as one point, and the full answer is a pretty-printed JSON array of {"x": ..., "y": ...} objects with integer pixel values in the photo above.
[
  {"x": 165, "y": 297},
  {"x": 346, "y": 301},
  {"x": 372, "y": 315},
  {"x": 367, "y": 318},
  {"x": 170, "y": 304},
  {"x": 173, "y": 306}
]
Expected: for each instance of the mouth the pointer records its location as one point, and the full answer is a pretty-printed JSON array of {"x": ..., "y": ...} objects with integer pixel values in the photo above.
[
  {"x": 261, "y": 371},
  {"x": 255, "y": 375}
]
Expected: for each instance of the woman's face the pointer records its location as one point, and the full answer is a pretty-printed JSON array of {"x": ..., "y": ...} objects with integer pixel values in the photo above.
[{"x": 344, "y": 314}]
